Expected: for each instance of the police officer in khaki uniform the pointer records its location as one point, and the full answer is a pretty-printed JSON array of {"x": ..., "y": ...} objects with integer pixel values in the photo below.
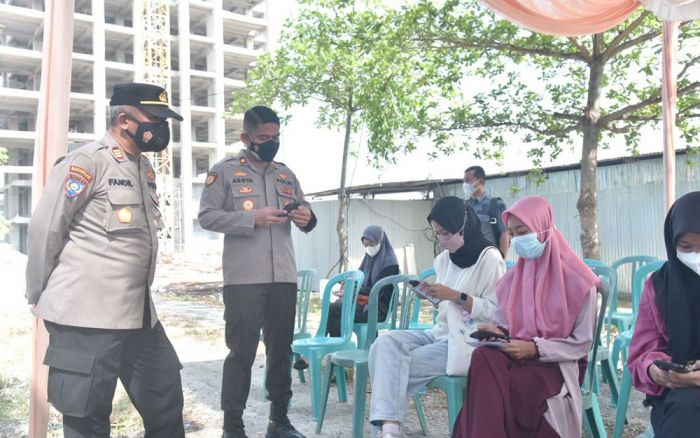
[
  {"x": 91, "y": 260},
  {"x": 253, "y": 201}
]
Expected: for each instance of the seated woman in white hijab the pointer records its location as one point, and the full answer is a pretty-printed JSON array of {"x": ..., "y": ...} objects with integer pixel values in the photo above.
[{"x": 401, "y": 362}]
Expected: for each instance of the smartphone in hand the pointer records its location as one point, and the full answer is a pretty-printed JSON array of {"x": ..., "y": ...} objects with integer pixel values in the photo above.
[
  {"x": 420, "y": 288},
  {"x": 482, "y": 335},
  {"x": 293, "y": 206},
  {"x": 672, "y": 366}
]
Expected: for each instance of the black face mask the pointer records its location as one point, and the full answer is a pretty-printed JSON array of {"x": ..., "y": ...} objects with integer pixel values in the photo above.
[
  {"x": 265, "y": 151},
  {"x": 151, "y": 137}
]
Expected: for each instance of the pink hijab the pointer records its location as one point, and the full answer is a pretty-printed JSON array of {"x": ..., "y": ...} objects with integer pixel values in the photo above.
[{"x": 543, "y": 297}]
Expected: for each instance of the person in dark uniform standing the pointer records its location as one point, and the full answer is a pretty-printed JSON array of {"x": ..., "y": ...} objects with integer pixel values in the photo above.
[
  {"x": 488, "y": 208},
  {"x": 91, "y": 260},
  {"x": 253, "y": 200}
]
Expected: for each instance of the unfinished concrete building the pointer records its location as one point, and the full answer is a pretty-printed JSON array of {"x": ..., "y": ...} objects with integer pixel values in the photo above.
[{"x": 213, "y": 44}]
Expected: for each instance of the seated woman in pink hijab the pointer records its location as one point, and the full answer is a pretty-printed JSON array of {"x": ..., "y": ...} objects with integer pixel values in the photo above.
[{"x": 531, "y": 386}]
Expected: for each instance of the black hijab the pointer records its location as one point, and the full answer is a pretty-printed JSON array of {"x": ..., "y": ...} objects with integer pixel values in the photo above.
[
  {"x": 677, "y": 286},
  {"x": 452, "y": 213}
]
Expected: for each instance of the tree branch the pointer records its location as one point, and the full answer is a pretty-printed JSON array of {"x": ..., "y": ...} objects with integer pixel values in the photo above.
[
  {"x": 460, "y": 43},
  {"x": 687, "y": 66},
  {"x": 620, "y": 37},
  {"x": 567, "y": 116},
  {"x": 631, "y": 43},
  {"x": 549, "y": 132},
  {"x": 622, "y": 114},
  {"x": 583, "y": 50}
]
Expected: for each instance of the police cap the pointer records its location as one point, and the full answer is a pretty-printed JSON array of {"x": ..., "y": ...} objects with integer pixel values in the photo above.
[{"x": 148, "y": 97}]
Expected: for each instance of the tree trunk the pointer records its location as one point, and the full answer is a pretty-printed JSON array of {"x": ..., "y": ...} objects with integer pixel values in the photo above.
[
  {"x": 587, "y": 202},
  {"x": 342, "y": 196}
]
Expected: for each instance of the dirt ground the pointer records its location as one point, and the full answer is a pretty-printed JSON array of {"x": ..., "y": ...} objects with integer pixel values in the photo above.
[{"x": 190, "y": 308}]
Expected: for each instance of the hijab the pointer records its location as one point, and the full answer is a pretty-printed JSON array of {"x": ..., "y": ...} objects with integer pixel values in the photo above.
[
  {"x": 373, "y": 266},
  {"x": 543, "y": 297},
  {"x": 452, "y": 213},
  {"x": 677, "y": 287}
]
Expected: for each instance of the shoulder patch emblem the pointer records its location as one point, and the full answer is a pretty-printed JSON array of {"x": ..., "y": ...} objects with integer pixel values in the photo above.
[
  {"x": 211, "y": 178},
  {"x": 240, "y": 173},
  {"x": 125, "y": 215},
  {"x": 248, "y": 204},
  {"x": 77, "y": 170},
  {"x": 74, "y": 185},
  {"x": 117, "y": 153},
  {"x": 245, "y": 189},
  {"x": 150, "y": 174}
]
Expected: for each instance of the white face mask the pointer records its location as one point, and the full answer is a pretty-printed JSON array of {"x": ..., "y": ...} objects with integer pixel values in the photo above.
[
  {"x": 690, "y": 259},
  {"x": 373, "y": 250},
  {"x": 469, "y": 189},
  {"x": 528, "y": 246}
]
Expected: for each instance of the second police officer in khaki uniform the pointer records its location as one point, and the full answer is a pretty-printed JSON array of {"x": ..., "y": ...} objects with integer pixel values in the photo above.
[
  {"x": 91, "y": 260},
  {"x": 245, "y": 198}
]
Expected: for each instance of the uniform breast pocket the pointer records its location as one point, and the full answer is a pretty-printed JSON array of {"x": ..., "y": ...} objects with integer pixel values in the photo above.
[
  {"x": 245, "y": 197},
  {"x": 125, "y": 212},
  {"x": 285, "y": 194}
]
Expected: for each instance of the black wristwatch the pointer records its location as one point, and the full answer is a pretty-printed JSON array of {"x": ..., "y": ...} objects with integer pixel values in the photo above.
[{"x": 462, "y": 298}]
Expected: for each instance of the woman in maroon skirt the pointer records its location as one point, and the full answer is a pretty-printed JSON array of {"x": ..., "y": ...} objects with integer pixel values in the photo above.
[{"x": 531, "y": 385}]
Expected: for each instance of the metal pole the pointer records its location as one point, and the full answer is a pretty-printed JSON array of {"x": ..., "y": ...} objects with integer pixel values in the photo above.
[{"x": 670, "y": 48}]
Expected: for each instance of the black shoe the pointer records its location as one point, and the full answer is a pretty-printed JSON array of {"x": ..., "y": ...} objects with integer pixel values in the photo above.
[
  {"x": 282, "y": 428},
  {"x": 300, "y": 364},
  {"x": 238, "y": 433}
]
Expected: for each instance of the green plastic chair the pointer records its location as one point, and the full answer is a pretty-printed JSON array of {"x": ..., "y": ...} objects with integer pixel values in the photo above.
[
  {"x": 389, "y": 323},
  {"x": 623, "y": 320},
  {"x": 418, "y": 305},
  {"x": 603, "y": 356},
  {"x": 593, "y": 425},
  {"x": 316, "y": 347},
  {"x": 305, "y": 282},
  {"x": 622, "y": 344},
  {"x": 358, "y": 358}
]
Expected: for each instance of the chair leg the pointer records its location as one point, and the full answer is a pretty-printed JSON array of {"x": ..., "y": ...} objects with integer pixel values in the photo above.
[
  {"x": 341, "y": 385},
  {"x": 595, "y": 427},
  {"x": 326, "y": 391},
  {"x": 358, "y": 413},
  {"x": 610, "y": 376},
  {"x": 421, "y": 414},
  {"x": 617, "y": 347},
  {"x": 455, "y": 400},
  {"x": 623, "y": 401},
  {"x": 315, "y": 380}
]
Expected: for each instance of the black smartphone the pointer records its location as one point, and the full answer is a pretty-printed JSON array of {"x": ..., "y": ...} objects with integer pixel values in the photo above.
[
  {"x": 481, "y": 335},
  {"x": 672, "y": 366},
  {"x": 413, "y": 283},
  {"x": 292, "y": 206}
]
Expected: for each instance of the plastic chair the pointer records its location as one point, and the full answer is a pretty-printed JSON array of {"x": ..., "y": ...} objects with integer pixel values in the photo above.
[
  {"x": 316, "y": 347},
  {"x": 510, "y": 264},
  {"x": 593, "y": 425},
  {"x": 607, "y": 368},
  {"x": 305, "y": 282},
  {"x": 358, "y": 358},
  {"x": 389, "y": 323},
  {"x": 623, "y": 320},
  {"x": 418, "y": 304},
  {"x": 622, "y": 344}
]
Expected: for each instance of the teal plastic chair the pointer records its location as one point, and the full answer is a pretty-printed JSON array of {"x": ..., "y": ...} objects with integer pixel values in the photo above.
[
  {"x": 623, "y": 320},
  {"x": 454, "y": 388},
  {"x": 415, "y": 324},
  {"x": 622, "y": 344},
  {"x": 316, "y": 347},
  {"x": 603, "y": 356},
  {"x": 305, "y": 282},
  {"x": 358, "y": 358},
  {"x": 510, "y": 264},
  {"x": 389, "y": 323},
  {"x": 593, "y": 425}
]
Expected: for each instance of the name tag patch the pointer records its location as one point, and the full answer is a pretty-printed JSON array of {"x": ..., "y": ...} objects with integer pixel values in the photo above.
[{"x": 120, "y": 182}]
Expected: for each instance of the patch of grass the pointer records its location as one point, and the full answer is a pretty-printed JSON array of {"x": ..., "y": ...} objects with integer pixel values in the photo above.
[
  {"x": 14, "y": 401},
  {"x": 192, "y": 327}
]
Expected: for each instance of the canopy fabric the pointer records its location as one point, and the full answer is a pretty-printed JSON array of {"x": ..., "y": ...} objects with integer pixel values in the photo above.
[
  {"x": 566, "y": 17},
  {"x": 674, "y": 10}
]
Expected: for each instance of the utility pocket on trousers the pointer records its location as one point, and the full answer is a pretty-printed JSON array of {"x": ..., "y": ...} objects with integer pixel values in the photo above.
[{"x": 70, "y": 380}]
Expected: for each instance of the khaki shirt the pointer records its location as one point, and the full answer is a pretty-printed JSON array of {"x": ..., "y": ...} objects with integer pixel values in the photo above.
[
  {"x": 92, "y": 240},
  {"x": 234, "y": 189}
]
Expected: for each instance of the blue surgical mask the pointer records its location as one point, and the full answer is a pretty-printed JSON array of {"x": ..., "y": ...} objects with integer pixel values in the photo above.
[{"x": 528, "y": 246}]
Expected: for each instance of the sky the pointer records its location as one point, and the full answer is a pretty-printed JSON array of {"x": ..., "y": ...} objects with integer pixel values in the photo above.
[{"x": 315, "y": 154}]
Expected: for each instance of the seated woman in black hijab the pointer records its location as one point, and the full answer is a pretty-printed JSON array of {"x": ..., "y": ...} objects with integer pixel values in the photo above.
[{"x": 668, "y": 327}]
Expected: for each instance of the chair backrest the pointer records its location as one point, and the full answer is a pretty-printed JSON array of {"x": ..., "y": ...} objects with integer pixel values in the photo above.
[
  {"x": 607, "y": 274},
  {"x": 626, "y": 267},
  {"x": 352, "y": 282},
  {"x": 400, "y": 292},
  {"x": 305, "y": 282},
  {"x": 638, "y": 280},
  {"x": 604, "y": 293},
  {"x": 417, "y": 302}
]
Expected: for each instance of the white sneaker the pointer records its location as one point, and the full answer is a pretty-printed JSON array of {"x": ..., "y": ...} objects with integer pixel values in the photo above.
[{"x": 390, "y": 435}]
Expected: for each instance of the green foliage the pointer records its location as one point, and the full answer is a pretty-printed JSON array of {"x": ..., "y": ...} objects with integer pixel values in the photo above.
[
  {"x": 3, "y": 156},
  {"x": 347, "y": 56},
  {"x": 540, "y": 88}
]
